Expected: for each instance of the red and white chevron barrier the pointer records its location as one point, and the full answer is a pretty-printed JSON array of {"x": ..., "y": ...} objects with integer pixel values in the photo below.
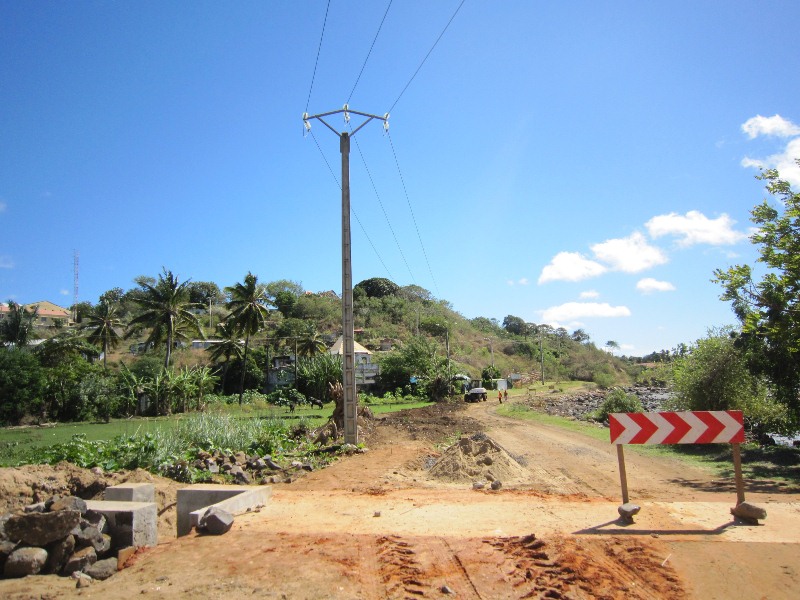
[{"x": 689, "y": 427}]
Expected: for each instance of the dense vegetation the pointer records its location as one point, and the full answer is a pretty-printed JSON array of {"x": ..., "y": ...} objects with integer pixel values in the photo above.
[{"x": 64, "y": 379}]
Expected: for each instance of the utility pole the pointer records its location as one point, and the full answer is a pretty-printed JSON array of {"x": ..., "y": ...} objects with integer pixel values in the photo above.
[{"x": 348, "y": 370}]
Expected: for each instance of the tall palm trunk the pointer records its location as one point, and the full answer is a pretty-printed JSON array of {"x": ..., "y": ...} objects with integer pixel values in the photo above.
[{"x": 244, "y": 368}]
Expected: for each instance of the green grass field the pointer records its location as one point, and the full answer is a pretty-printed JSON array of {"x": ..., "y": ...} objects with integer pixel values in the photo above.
[{"x": 18, "y": 444}]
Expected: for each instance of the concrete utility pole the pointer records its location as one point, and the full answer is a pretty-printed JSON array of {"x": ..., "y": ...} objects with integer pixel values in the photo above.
[{"x": 348, "y": 374}]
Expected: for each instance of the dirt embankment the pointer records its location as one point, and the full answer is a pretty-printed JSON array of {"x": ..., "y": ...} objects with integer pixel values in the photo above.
[{"x": 405, "y": 519}]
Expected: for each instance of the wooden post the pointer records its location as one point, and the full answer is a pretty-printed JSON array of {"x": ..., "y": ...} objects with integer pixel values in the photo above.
[
  {"x": 623, "y": 477},
  {"x": 737, "y": 473}
]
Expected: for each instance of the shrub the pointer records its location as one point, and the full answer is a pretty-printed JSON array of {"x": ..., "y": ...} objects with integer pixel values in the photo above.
[{"x": 617, "y": 401}]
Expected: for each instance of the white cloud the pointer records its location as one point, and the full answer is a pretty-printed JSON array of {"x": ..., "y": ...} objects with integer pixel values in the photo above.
[
  {"x": 3, "y": 206},
  {"x": 695, "y": 228},
  {"x": 523, "y": 281},
  {"x": 571, "y": 311},
  {"x": 648, "y": 285},
  {"x": 6, "y": 262},
  {"x": 64, "y": 292},
  {"x": 775, "y": 126},
  {"x": 570, "y": 266},
  {"x": 589, "y": 294},
  {"x": 631, "y": 254},
  {"x": 784, "y": 162}
]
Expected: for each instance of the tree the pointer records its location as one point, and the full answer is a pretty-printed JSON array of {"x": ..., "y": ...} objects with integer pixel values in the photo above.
[
  {"x": 714, "y": 375},
  {"x": 515, "y": 325},
  {"x": 203, "y": 292},
  {"x": 166, "y": 312},
  {"x": 228, "y": 347},
  {"x": 17, "y": 329},
  {"x": 21, "y": 385},
  {"x": 378, "y": 287},
  {"x": 580, "y": 336},
  {"x": 102, "y": 323},
  {"x": 769, "y": 308},
  {"x": 612, "y": 346},
  {"x": 311, "y": 343},
  {"x": 248, "y": 306}
]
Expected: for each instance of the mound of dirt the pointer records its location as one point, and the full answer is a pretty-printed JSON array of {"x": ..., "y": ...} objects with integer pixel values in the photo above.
[
  {"x": 20, "y": 486},
  {"x": 477, "y": 458}
]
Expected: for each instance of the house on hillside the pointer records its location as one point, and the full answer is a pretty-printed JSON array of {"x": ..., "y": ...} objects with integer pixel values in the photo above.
[
  {"x": 365, "y": 370},
  {"x": 50, "y": 315}
]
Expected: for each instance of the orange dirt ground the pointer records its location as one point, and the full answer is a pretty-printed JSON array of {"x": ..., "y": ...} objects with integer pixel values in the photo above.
[{"x": 383, "y": 524}]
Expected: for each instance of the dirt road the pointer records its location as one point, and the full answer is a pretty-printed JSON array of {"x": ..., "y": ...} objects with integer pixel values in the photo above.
[{"x": 382, "y": 525}]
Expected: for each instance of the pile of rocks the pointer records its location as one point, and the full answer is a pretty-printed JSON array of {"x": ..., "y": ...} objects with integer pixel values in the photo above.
[
  {"x": 581, "y": 406},
  {"x": 246, "y": 469},
  {"x": 58, "y": 536}
]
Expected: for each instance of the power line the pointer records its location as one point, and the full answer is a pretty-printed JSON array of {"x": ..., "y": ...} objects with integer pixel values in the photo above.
[
  {"x": 363, "y": 230},
  {"x": 380, "y": 202},
  {"x": 319, "y": 47},
  {"x": 413, "y": 217},
  {"x": 427, "y": 55},
  {"x": 368, "y": 53}
]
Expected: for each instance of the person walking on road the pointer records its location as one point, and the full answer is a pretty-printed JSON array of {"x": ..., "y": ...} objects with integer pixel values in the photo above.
[
  {"x": 500, "y": 396},
  {"x": 505, "y": 395}
]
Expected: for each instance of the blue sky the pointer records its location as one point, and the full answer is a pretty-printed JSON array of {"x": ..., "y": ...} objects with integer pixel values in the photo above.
[{"x": 579, "y": 163}]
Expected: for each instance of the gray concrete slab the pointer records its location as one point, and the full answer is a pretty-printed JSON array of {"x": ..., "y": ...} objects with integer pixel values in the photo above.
[
  {"x": 129, "y": 523},
  {"x": 131, "y": 492},
  {"x": 236, "y": 499}
]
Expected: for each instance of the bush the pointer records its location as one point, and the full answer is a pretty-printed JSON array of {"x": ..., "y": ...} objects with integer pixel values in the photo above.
[{"x": 617, "y": 401}]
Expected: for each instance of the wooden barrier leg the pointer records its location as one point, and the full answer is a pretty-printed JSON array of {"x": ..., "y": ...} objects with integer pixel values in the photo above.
[
  {"x": 623, "y": 477},
  {"x": 737, "y": 473}
]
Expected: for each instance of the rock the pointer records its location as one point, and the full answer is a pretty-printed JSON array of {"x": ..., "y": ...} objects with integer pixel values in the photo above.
[
  {"x": 80, "y": 560},
  {"x": 96, "y": 470},
  {"x": 478, "y": 485},
  {"x": 213, "y": 467},
  {"x": 25, "y": 561},
  {"x": 82, "y": 580},
  {"x": 627, "y": 510},
  {"x": 40, "y": 529},
  {"x": 3, "y": 520},
  {"x": 123, "y": 554},
  {"x": 87, "y": 535},
  {"x": 102, "y": 569},
  {"x": 215, "y": 521},
  {"x": 377, "y": 513},
  {"x": 242, "y": 477},
  {"x": 272, "y": 464},
  {"x": 96, "y": 519},
  {"x": 749, "y": 512},
  {"x": 58, "y": 553},
  {"x": 445, "y": 589},
  {"x": 258, "y": 464},
  {"x": 307, "y": 467},
  {"x": 69, "y": 503},
  {"x": 34, "y": 508},
  {"x": 496, "y": 484},
  {"x": 240, "y": 458}
]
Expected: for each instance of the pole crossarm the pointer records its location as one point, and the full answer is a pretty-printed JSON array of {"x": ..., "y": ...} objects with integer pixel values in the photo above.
[{"x": 347, "y": 111}]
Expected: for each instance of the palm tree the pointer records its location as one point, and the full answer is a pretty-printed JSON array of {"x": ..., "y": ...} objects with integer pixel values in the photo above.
[
  {"x": 103, "y": 322},
  {"x": 165, "y": 312},
  {"x": 228, "y": 347},
  {"x": 17, "y": 328},
  {"x": 311, "y": 344},
  {"x": 248, "y": 306}
]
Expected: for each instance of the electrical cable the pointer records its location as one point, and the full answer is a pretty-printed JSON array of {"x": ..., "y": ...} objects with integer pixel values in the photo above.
[
  {"x": 339, "y": 185},
  {"x": 380, "y": 202},
  {"x": 319, "y": 47},
  {"x": 369, "y": 53},
  {"x": 427, "y": 55},
  {"x": 413, "y": 217}
]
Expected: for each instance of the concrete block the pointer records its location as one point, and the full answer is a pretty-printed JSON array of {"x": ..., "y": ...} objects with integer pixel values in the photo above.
[
  {"x": 235, "y": 499},
  {"x": 129, "y": 523},
  {"x": 131, "y": 492}
]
